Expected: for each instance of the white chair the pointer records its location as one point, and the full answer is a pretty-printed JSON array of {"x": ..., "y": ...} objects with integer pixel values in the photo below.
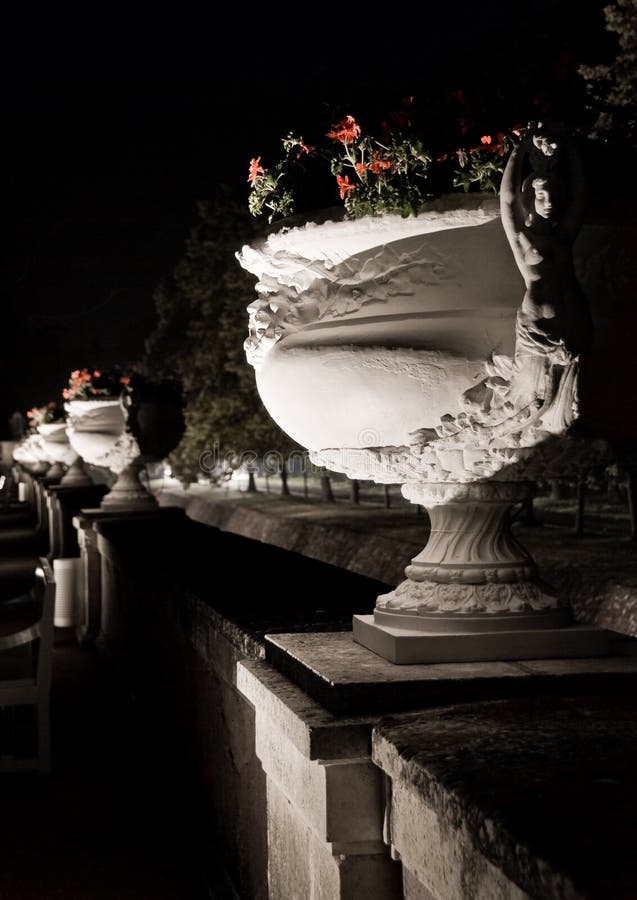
[{"x": 26, "y": 657}]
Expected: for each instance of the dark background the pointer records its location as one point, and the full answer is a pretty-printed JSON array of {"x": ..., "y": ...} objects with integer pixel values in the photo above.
[{"x": 114, "y": 130}]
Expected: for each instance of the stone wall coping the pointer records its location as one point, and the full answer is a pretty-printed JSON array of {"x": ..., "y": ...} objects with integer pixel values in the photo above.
[
  {"x": 544, "y": 790},
  {"x": 312, "y": 729},
  {"x": 596, "y": 574}
]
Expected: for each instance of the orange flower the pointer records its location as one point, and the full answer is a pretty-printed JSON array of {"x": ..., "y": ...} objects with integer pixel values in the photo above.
[
  {"x": 66, "y": 393},
  {"x": 344, "y": 186},
  {"x": 255, "y": 169},
  {"x": 124, "y": 379},
  {"x": 97, "y": 374},
  {"x": 304, "y": 148},
  {"x": 30, "y": 413},
  {"x": 485, "y": 139},
  {"x": 361, "y": 168},
  {"x": 380, "y": 165},
  {"x": 346, "y": 131}
]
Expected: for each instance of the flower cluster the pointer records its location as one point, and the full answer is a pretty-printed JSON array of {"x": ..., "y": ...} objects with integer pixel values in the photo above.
[
  {"x": 95, "y": 385},
  {"x": 483, "y": 165},
  {"x": 397, "y": 175},
  {"x": 44, "y": 415}
]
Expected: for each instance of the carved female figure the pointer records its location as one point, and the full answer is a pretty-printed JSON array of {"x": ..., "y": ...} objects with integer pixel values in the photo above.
[{"x": 542, "y": 199}]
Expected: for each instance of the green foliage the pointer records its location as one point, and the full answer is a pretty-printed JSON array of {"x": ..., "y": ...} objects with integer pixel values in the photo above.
[
  {"x": 268, "y": 194},
  {"x": 394, "y": 175},
  {"x": 482, "y": 167},
  {"x": 612, "y": 87},
  {"x": 198, "y": 337}
]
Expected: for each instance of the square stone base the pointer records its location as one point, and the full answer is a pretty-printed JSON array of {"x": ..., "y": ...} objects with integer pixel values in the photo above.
[{"x": 403, "y": 646}]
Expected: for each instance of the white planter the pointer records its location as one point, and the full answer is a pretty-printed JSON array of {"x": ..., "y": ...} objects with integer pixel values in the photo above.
[
  {"x": 387, "y": 347},
  {"x": 31, "y": 450},
  {"x": 94, "y": 429},
  {"x": 103, "y": 416},
  {"x": 56, "y": 444},
  {"x": 368, "y": 330},
  {"x": 54, "y": 432}
]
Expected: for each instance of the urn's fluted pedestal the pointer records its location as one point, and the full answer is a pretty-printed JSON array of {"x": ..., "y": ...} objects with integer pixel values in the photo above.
[
  {"x": 76, "y": 475},
  {"x": 473, "y": 593},
  {"x": 128, "y": 492}
]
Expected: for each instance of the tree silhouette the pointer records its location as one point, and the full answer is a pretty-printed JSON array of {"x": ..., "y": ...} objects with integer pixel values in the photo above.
[{"x": 199, "y": 333}]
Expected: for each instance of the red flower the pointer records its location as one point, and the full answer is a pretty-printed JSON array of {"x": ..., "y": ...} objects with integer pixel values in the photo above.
[
  {"x": 346, "y": 131},
  {"x": 380, "y": 165},
  {"x": 255, "y": 169},
  {"x": 124, "y": 379},
  {"x": 361, "y": 168},
  {"x": 344, "y": 186},
  {"x": 485, "y": 139},
  {"x": 304, "y": 148}
]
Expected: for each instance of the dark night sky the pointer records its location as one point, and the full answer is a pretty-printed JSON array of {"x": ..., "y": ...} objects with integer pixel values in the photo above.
[{"x": 110, "y": 140}]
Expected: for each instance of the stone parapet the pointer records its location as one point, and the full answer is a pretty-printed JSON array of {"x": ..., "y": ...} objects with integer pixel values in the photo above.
[
  {"x": 531, "y": 799},
  {"x": 325, "y": 796}
]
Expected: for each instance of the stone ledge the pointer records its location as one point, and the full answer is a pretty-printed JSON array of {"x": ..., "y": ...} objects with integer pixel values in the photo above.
[
  {"x": 312, "y": 729},
  {"x": 533, "y": 795},
  {"x": 348, "y": 679},
  {"x": 373, "y": 555}
]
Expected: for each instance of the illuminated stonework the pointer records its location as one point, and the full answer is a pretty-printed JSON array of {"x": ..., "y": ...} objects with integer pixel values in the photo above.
[
  {"x": 95, "y": 429},
  {"x": 441, "y": 352}
]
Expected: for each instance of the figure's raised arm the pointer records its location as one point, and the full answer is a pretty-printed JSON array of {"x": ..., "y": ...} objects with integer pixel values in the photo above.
[{"x": 511, "y": 209}]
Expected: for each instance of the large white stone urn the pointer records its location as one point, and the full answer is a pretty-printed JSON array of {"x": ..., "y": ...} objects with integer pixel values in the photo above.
[
  {"x": 47, "y": 444},
  {"x": 396, "y": 351},
  {"x": 98, "y": 431},
  {"x": 57, "y": 447},
  {"x": 126, "y": 433},
  {"x": 94, "y": 428},
  {"x": 30, "y": 452}
]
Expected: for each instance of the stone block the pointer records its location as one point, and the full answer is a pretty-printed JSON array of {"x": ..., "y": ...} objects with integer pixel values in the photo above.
[
  {"x": 325, "y": 796},
  {"x": 531, "y": 798}
]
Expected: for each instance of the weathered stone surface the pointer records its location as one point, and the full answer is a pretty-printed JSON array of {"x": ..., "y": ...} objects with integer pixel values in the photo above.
[
  {"x": 313, "y": 730},
  {"x": 347, "y": 678},
  {"x": 596, "y": 574},
  {"x": 179, "y": 658},
  {"x": 326, "y": 799},
  {"x": 534, "y": 798},
  {"x": 183, "y": 633},
  {"x": 301, "y": 866},
  {"x": 309, "y": 593}
]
